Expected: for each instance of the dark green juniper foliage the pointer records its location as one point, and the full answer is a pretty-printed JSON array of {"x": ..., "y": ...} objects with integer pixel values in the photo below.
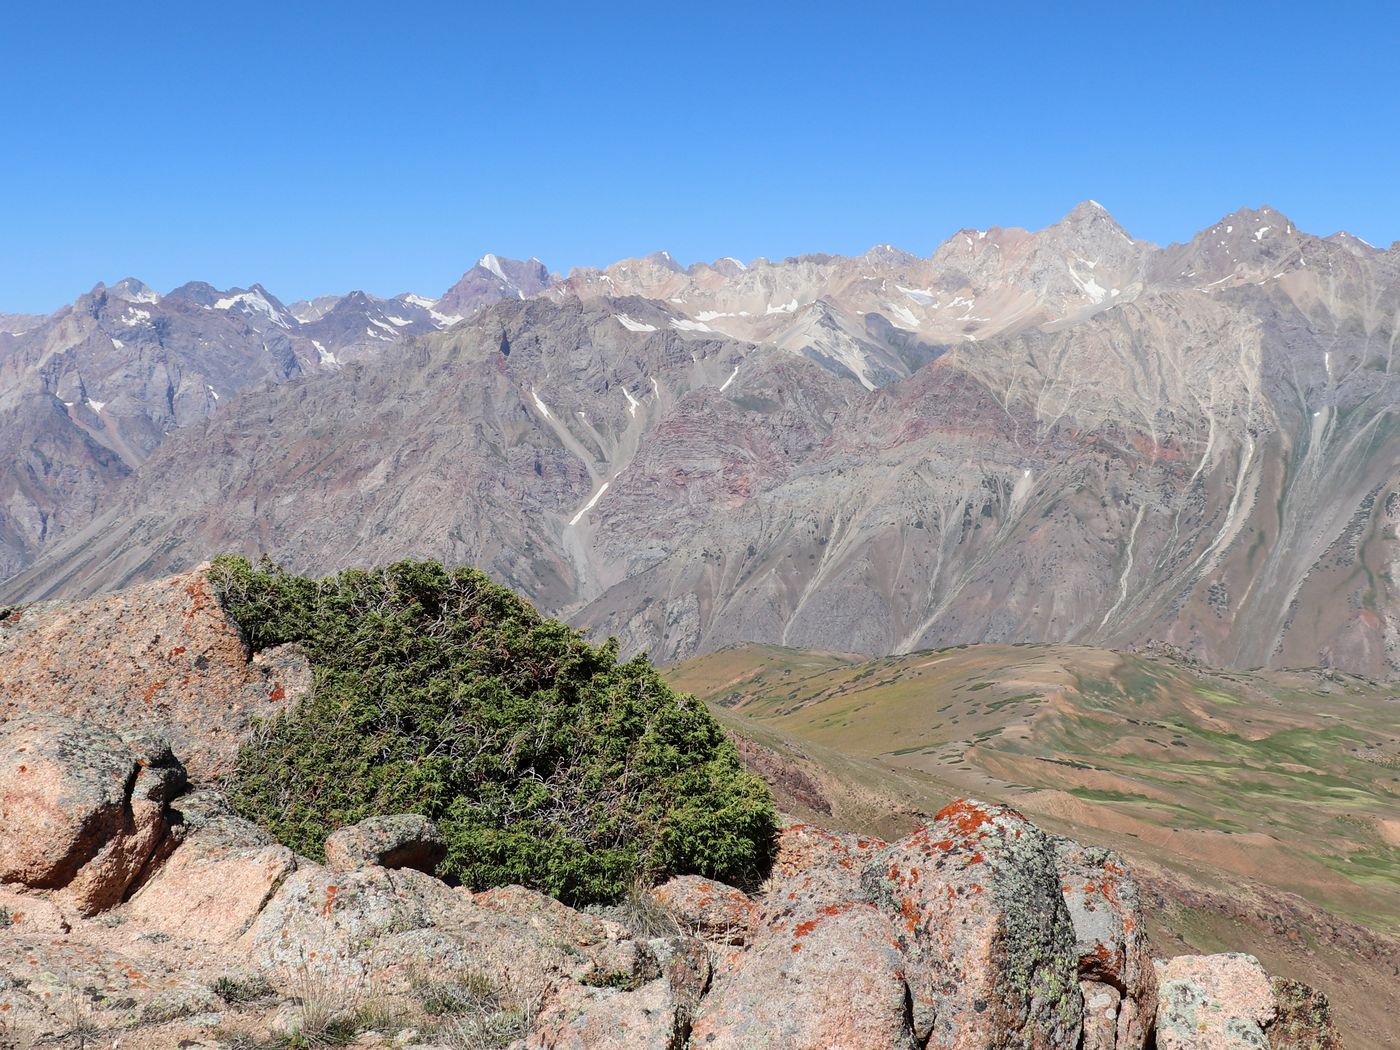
[{"x": 542, "y": 759}]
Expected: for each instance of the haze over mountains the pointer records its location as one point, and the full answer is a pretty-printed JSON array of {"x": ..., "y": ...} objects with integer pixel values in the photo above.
[{"x": 1062, "y": 435}]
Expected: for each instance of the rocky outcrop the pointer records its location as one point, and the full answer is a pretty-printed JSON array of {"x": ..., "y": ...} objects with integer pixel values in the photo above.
[
  {"x": 1116, "y": 975},
  {"x": 161, "y": 657},
  {"x": 976, "y": 903},
  {"x": 81, "y": 809},
  {"x": 976, "y": 931},
  {"x": 403, "y": 840}
]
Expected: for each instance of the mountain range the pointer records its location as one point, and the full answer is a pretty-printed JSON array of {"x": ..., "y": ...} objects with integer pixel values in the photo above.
[{"x": 1065, "y": 435}]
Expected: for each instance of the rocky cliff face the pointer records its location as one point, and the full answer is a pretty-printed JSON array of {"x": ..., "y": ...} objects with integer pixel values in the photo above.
[{"x": 1066, "y": 435}]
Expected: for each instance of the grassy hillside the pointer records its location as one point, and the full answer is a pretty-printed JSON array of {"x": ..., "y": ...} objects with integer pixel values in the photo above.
[{"x": 1290, "y": 775}]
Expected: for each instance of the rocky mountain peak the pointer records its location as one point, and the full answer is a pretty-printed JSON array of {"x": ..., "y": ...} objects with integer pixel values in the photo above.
[
  {"x": 664, "y": 260},
  {"x": 1089, "y": 221},
  {"x": 201, "y": 293},
  {"x": 1249, "y": 244},
  {"x": 729, "y": 266},
  {"x": 1357, "y": 244},
  {"x": 889, "y": 255},
  {"x": 493, "y": 278},
  {"x": 134, "y": 291}
]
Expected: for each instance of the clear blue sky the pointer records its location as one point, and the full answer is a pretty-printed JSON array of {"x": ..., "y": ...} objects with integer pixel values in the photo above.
[{"x": 320, "y": 147}]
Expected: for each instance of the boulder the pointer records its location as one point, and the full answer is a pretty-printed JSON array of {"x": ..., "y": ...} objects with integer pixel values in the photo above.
[
  {"x": 402, "y": 840},
  {"x": 1110, "y": 937},
  {"x": 707, "y": 908},
  {"x": 336, "y": 918},
  {"x": 1303, "y": 1020},
  {"x": 1213, "y": 1002},
  {"x": 976, "y": 904},
  {"x": 580, "y": 1017},
  {"x": 81, "y": 809},
  {"x": 161, "y": 655},
  {"x": 398, "y": 927},
  {"x": 819, "y": 976},
  {"x": 822, "y": 967},
  {"x": 214, "y": 884}
]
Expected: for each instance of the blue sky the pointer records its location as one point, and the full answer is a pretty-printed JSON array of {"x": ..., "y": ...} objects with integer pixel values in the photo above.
[{"x": 321, "y": 147}]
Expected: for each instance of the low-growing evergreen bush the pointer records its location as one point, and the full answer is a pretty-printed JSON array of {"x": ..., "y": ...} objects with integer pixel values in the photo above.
[{"x": 543, "y": 759}]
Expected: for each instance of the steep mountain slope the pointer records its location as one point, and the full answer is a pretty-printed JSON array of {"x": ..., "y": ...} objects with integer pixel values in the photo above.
[
  {"x": 1121, "y": 443},
  {"x": 488, "y": 444},
  {"x": 1211, "y": 466},
  {"x": 88, "y": 393}
]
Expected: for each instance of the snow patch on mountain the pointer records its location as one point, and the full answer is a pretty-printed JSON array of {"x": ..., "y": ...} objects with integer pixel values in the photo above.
[
  {"x": 251, "y": 302},
  {"x": 490, "y": 262},
  {"x": 590, "y": 504},
  {"x": 633, "y": 325}
]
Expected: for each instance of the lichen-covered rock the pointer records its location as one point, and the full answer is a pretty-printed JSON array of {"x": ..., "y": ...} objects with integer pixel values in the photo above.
[
  {"x": 401, "y": 840},
  {"x": 81, "y": 809},
  {"x": 817, "y": 976},
  {"x": 710, "y": 909},
  {"x": 112, "y": 985},
  {"x": 805, "y": 847},
  {"x": 580, "y": 1017},
  {"x": 62, "y": 788},
  {"x": 1303, "y": 1020},
  {"x": 1101, "y": 1010},
  {"x": 1110, "y": 936},
  {"x": 212, "y": 887},
  {"x": 543, "y": 913},
  {"x": 335, "y": 918},
  {"x": 685, "y": 964},
  {"x": 822, "y": 967},
  {"x": 393, "y": 925},
  {"x": 1213, "y": 1002},
  {"x": 976, "y": 904},
  {"x": 162, "y": 656}
]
